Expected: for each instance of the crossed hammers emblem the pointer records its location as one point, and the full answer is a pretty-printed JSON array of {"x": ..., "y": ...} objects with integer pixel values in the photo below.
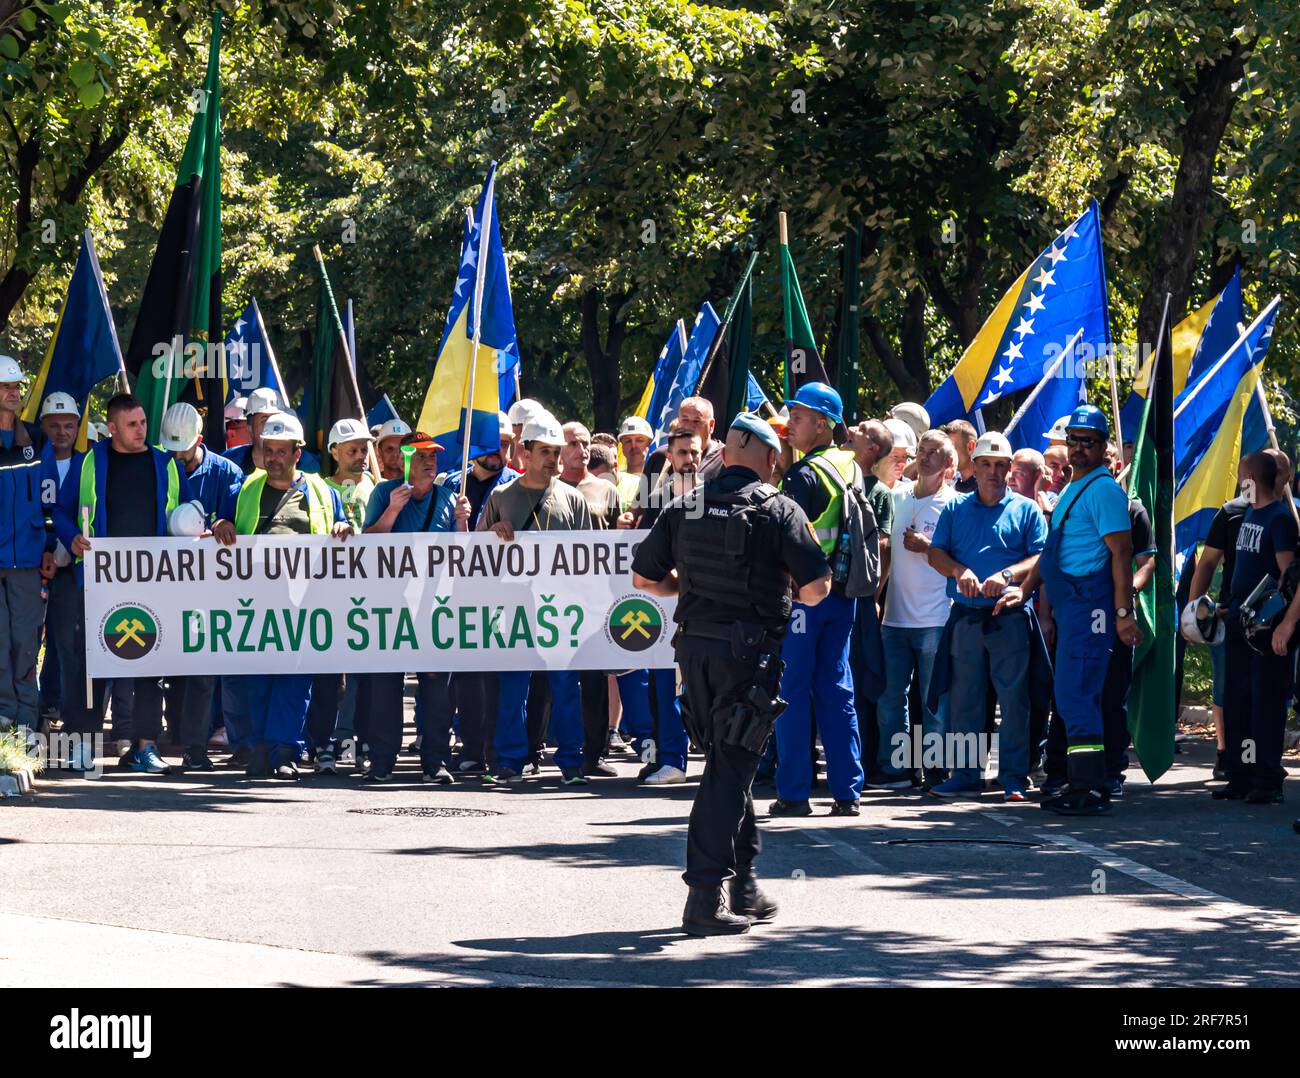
[
  {"x": 635, "y": 620},
  {"x": 129, "y": 630}
]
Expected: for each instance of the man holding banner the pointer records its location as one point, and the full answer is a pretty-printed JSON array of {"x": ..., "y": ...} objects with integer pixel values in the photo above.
[{"x": 280, "y": 500}]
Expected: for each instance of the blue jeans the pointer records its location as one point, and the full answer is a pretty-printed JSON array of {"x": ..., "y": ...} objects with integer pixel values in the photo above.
[
  {"x": 906, "y": 649},
  {"x": 512, "y": 720},
  {"x": 982, "y": 651},
  {"x": 817, "y": 675}
]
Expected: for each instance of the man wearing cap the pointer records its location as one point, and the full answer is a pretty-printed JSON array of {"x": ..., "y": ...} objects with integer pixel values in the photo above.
[
  {"x": 520, "y": 413},
  {"x": 280, "y": 499},
  {"x": 730, "y": 552},
  {"x": 349, "y": 446},
  {"x": 418, "y": 505},
  {"x": 1086, "y": 570},
  {"x": 262, "y": 404},
  {"x": 985, "y": 543},
  {"x": 817, "y": 675},
  {"x": 536, "y": 501},
  {"x": 215, "y": 482},
  {"x": 237, "y": 432},
  {"x": 388, "y": 447},
  {"x": 914, "y": 415},
  {"x": 890, "y": 470},
  {"x": 26, "y": 560},
  {"x": 634, "y": 439},
  {"x": 125, "y": 488}
]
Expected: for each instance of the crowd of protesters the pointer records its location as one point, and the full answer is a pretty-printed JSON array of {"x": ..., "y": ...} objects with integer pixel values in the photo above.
[{"x": 877, "y": 688}]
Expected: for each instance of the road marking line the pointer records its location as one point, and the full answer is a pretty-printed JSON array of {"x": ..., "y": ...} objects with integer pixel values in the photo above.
[
  {"x": 850, "y": 853},
  {"x": 1172, "y": 884}
]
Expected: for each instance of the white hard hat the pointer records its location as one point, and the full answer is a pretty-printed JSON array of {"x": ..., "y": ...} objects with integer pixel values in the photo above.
[
  {"x": 904, "y": 436},
  {"x": 237, "y": 409},
  {"x": 992, "y": 443},
  {"x": 98, "y": 431},
  {"x": 1201, "y": 623},
  {"x": 346, "y": 430},
  {"x": 60, "y": 404},
  {"x": 914, "y": 415},
  {"x": 507, "y": 428},
  {"x": 523, "y": 410},
  {"x": 188, "y": 518},
  {"x": 181, "y": 427},
  {"x": 262, "y": 402},
  {"x": 1057, "y": 433},
  {"x": 10, "y": 371},
  {"x": 544, "y": 428},
  {"x": 282, "y": 427},
  {"x": 634, "y": 424},
  {"x": 394, "y": 428}
]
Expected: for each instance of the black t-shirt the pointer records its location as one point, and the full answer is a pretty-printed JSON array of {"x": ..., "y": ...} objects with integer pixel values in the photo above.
[
  {"x": 131, "y": 495},
  {"x": 476, "y": 490},
  {"x": 799, "y": 553},
  {"x": 1139, "y": 523},
  {"x": 965, "y": 486},
  {"x": 1223, "y": 536},
  {"x": 805, "y": 486},
  {"x": 1264, "y": 534}
]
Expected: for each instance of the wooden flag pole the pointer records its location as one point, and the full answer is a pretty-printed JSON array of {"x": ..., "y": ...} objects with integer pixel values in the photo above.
[
  {"x": 1042, "y": 382},
  {"x": 784, "y": 228},
  {"x": 270, "y": 352},
  {"x": 480, "y": 275},
  {"x": 681, "y": 335},
  {"x": 371, "y": 456},
  {"x": 1114, "y": 398}
]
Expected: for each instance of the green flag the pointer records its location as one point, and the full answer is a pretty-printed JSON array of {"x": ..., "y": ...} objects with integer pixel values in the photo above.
[
  {"x": 802, "y": 361},
  {"x": 180, "y": 308},
  {"x": 333, "y": 394},
  {"x": 1153, "y": 700}
]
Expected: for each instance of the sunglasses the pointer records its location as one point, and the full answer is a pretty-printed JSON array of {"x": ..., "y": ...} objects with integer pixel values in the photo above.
[{"x": 1085, "y": 443}]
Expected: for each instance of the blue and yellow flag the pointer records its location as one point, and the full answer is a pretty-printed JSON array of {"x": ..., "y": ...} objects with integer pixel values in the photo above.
[
  {"x": 661, "y": 378},
  {"x": 1061, "y": 293},
  {"x": 481, "y": 298},
  {"x": 84, "y": 349},
  {"x": 1200, "y": 340},
  {"x": 250, "y": 360},
  {"x": 1208, "y": 421}
]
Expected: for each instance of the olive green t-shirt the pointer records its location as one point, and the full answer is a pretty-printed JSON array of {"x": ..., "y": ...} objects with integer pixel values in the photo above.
[{"x": 558, "y": 508}]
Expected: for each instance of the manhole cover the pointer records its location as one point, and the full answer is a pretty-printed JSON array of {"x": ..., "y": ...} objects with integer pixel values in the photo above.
[
  {"x": 959, "y": 842},
  {"x": 423, "y": 810}
]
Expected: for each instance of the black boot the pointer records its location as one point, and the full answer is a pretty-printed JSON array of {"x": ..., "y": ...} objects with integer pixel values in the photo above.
[
  {"x": 1085, "y": 794},
  {"x": 748, "y": 901},
  {"x": 259, "y": 763},
  {"x": 706, "y": 914}
]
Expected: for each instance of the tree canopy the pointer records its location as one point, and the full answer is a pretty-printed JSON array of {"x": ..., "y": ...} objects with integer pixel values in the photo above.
[{"x": 645, "y": 149}]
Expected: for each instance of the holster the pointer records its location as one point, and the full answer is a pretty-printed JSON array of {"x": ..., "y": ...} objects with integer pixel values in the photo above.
[{"x": 749, "y": 722}]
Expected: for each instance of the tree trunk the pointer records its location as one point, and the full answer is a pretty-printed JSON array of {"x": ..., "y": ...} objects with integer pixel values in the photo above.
[
  {"x": 1209, "y": 106},
  {"x": 602, "y": 360}
]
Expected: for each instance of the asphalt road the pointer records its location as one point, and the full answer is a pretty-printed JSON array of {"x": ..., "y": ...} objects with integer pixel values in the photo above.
[{"x": 217, "y": 880}]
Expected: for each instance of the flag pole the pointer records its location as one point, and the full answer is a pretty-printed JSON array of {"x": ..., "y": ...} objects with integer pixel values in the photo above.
[
  {"x": 681, "y": 335},
  {"x": 480, "y": 274},
  {"x": 123, "y": 385},
  {"x": 727, "y": 316},
  {"x": 1114, "y": 398},
  {"x": 1209, "y": 375},
  {"x": 1042, "y": 382},
  {"x": 270, "y": 352},
  {"x": 1272, "y": 439},
  {"x": 371, "y": 458},
  {"x": 784, "y": 231}
]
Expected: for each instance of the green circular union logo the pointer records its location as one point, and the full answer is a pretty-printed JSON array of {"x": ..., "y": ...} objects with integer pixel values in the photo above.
[
  {"x": 129, "y": 631},
  {"x": 635, "y": 623}
]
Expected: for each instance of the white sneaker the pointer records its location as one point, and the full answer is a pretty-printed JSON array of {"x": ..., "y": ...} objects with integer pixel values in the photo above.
[{"x": 665, "y": 776}]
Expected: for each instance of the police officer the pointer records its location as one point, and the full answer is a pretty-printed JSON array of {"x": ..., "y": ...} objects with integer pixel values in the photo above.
[
  {"x": 730, "y": 551},
  {"x": 1086, "y": 569},
  {"x": 817, "y": 652}
]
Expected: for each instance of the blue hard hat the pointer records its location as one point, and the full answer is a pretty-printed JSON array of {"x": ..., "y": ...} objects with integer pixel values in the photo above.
[
  {"x": 759, "y": 427},
  {"x": 820, "y": 398},
  {"x": 1088, "y": 417}
]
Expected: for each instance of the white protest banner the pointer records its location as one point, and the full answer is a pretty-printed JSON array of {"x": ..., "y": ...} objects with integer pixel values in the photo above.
[{"x": 371, "y": 603}]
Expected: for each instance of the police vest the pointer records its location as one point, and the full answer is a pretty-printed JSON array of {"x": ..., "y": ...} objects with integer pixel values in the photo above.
[
  {"x": 88, "y": 494},
  {"x": 827, "y": 526},
  {"x": 730, "y": 552},
  {"x": 320, "y": 503}
]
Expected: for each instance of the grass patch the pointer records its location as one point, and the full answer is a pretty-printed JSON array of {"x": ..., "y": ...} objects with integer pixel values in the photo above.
[{"x": 15, "y": 756}]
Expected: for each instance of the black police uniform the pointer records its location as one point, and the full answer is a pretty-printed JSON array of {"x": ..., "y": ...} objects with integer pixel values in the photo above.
[{"x": 736, "y": 544}]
